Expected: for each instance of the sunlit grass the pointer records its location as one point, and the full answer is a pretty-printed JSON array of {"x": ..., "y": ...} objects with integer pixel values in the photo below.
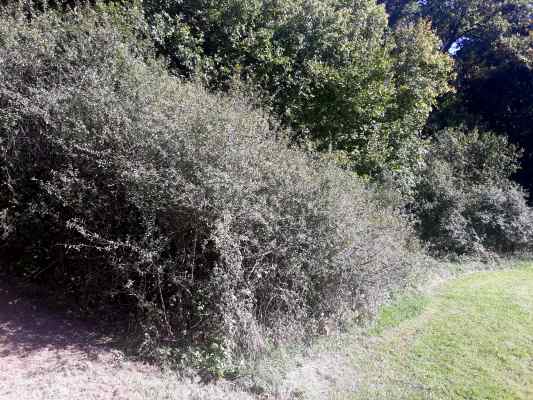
[
  {"x": 394, "y": 314},
  {"x": 473, "y": 340}
]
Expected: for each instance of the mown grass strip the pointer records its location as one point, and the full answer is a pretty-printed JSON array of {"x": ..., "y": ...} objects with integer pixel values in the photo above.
[{"x": 473, "y": 340}]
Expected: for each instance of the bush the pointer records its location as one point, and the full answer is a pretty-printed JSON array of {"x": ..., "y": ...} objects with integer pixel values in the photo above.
[
  {"x": 147, "y": 198},
  {"x": 466, "y": 202}
]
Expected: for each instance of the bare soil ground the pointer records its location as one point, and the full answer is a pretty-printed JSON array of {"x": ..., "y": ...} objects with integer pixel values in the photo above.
[{"x": 47, "y": 355}]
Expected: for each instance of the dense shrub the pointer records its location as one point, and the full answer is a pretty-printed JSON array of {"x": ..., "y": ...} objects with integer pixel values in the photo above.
[
  {"x": 147, "y": 198},
  {"x": 466, "y": 202}
]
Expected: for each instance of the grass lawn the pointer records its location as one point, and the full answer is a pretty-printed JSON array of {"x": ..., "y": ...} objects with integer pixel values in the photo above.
[{"x": 472, "y": 340}]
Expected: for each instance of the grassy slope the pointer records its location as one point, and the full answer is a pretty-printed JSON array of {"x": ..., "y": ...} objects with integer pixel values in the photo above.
[{"x": 472, "y": 340}]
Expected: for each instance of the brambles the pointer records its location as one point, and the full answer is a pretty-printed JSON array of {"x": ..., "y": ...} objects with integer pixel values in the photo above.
[{"x": 147, "y": 198}]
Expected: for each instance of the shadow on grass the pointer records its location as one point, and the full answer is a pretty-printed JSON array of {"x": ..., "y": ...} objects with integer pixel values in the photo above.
[{"x": 28, "y": 325}]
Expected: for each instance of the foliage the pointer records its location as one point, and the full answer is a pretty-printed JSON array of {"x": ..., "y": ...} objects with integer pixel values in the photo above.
[
  {"x": 496, "y": 91},
  {"x": 146, "y": 198},
  {"x": 463, "y": 20},
  {"x": 489, "y": 41},
  {"x": 492, "y": 43},
  {"x": 465, "y": 201},
  {"x": 331, "y": 70}
]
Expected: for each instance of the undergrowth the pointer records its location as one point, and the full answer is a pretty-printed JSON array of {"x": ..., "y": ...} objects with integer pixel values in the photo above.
[{"x": 141, "y": 197}]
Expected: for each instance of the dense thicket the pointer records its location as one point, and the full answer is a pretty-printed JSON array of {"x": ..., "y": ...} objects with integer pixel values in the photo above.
[
  {"x": 351, "y": 86},
  {"x": 144, "y": 197},
  {"x": 465, "y": 201},
  {"x": 152, "y": 190}
]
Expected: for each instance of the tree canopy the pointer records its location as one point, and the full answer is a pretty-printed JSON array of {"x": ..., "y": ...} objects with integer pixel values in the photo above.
[
  {"x": 331, "y": 70},
  {"x": 492, "y": 44}
]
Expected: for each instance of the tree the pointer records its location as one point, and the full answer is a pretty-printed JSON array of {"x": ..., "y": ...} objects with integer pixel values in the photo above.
[
  {"x": 331, "y": 70},
  {"x": 455, "y": 21},
  {"x": 496, "y": 89},
  {"x": 492, "y": 43}
]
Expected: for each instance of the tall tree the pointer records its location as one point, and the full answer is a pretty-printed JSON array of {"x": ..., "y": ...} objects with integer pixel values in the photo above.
[
  {"x": 459, "y": 20},
  {"x": 331, "y": 70},
  {"x": 492, "y": 43}
]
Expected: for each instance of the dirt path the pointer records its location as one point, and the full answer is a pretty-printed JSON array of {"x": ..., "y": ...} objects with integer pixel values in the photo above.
[{"x": 48, "y": 356}]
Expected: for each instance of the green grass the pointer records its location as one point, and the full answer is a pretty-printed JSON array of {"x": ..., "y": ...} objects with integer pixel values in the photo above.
[
  {"x": 392, "y": 315},
  {"x": 472, "y": 340}
]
